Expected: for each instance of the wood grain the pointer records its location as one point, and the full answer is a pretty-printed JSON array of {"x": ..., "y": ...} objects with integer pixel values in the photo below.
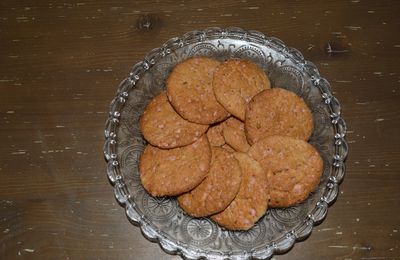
[{"x": 60, "y": 66}]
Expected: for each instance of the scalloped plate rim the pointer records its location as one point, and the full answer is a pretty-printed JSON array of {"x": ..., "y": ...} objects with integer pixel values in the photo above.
[{"x": 274, "y": 248}]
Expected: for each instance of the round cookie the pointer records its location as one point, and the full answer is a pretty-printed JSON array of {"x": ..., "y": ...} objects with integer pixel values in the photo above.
[
  {"x": 278, "y": 112},
  {"x": 236, "y": 82},
  {"x": 189, "y": 89},
  {"x": 251, "y": 202},
  {"x": 294, "y": 168},
  {"x": 163, "y": 127},
  {"x": 170, "y": 172},
  {"x": 217, "y": 190},
  {"x": 214, "y": 134},
  {"x": 234, "y": 135}
]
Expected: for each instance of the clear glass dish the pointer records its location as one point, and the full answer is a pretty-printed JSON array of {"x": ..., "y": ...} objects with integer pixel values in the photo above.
[{"x": 161, "y": 219}]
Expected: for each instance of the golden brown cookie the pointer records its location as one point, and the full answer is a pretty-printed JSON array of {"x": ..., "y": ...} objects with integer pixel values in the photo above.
[
  {"x": 234, "y": 135},
  {"x": 163, "y": 127},
  {"x": 294, "y": 168},
  {"x": 175, "y": 171},
  {"x": 228, "y": 148},
  {"x": 214, "y": 134},
  {"x": 251, "y": 202},
  {"x": 189, "y": 89},
  {"x": 217, "y": 190},
  {"x": 278, "y": 112},
  {"x": 236, "y": 82}
]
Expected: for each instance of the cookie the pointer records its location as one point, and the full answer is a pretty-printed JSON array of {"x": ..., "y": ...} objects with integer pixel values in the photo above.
[
  {"x": 278, "y": 112},
  {"x": 214, "y": 134},
  {"x": 228, "y": 148},
  {"x": 251, "y": 202},
  {"x": 163, "y": 127},
  {"x": 217, "y": 190},
  {"x": 236, "y": 82},
  {"x": 189, "y": 89},
  {"x": 294, "y": 168},
  {"x": 170, "y": 172},
  {"x": 234, "y": 135}
]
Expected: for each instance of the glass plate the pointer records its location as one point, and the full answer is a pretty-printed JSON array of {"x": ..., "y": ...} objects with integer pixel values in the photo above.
[{"x": 161, "y": 219}]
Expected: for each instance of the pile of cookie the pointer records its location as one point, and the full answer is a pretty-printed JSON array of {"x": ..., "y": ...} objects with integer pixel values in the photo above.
[{"x": 227, "y": 144}]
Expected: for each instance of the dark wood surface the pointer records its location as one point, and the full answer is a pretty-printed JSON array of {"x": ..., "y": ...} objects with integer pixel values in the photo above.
[{"x": 60, "y": 64}]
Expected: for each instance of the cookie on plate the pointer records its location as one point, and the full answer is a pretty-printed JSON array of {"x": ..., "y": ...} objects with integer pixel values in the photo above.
[
  {"x": 251, "y": 202},
  {"x": 234, "y": 135},
  {"x": 236, "y": 82},
  {"x": 163, "y": 127},
  {"x": 170, "y": 172},
  {"x": 189, "y": 89},
  {"x": 228, "y": 148},
  {"x": 278, "y": 112},
  {"x": 214, "y": 134},
  {"x": 217, "y": 190},
  {"x": 294, "y": 168}
]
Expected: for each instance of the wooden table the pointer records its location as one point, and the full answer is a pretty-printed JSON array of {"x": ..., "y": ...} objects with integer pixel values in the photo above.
[{"x": 60, "y": 66}]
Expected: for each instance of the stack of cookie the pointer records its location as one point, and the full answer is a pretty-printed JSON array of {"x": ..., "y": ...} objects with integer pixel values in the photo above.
[{"x": 227, "y": 144}]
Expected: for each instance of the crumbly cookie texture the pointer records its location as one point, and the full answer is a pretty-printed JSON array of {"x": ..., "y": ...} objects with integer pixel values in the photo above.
[
  {"x": 234, "y": 135},
  {"x": 251, "y": 201},
  {"x": 215, "y": 136},
  {"x": 236, "y": 82},
  {"x": 217, "y": 190},
  {"x": 163, "y": 127},
  {"x": 228, "y": 148},
  {"x": 278, "y": 112},
  {"x": 190, "y": 91},
  {"x": 170, "y": 172},
  {"x": 294, "y": 168}
]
